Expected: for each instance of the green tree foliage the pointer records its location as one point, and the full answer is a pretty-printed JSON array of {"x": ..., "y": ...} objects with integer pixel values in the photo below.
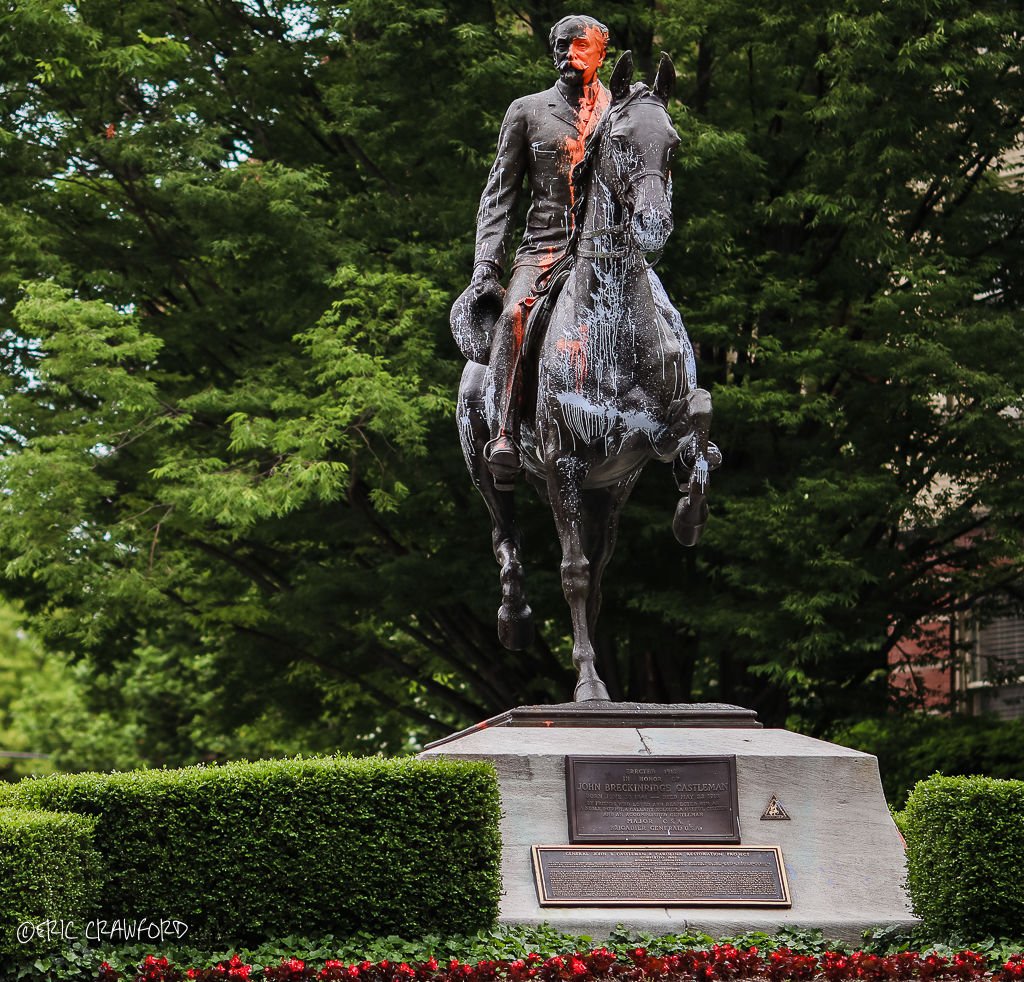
[
  {"x": 912, "y": 748},
  {"x": 21, "y": 663},
  {"x": 231, "y": 233}
]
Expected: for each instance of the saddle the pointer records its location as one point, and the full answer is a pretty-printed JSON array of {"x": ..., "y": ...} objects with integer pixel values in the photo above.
[{"x": 540, "y": 305}]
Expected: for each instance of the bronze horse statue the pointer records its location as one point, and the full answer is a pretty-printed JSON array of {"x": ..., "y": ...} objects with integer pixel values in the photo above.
[{"x": 615, "y": 380}]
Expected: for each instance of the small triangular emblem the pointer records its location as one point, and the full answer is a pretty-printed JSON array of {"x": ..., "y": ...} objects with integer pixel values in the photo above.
[{"x": 774, "y": 812}]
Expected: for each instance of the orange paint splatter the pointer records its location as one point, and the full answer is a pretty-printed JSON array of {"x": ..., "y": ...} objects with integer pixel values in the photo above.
[
  {"x": 588, "y": 115},
  {"x": 586, "y": 52},
  {"x": 575, "y": 349}
]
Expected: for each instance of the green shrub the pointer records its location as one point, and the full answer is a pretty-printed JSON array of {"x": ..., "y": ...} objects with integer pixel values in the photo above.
[
  {"x": 325, "y": 845},
  {"x": 910, "y": 748},
  {"x": 49, "y": 872},
  {"x": 965, "y": 854}
]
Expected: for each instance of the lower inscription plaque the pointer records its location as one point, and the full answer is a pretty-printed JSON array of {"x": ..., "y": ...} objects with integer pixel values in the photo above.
[{"x": 660, "y": 876}]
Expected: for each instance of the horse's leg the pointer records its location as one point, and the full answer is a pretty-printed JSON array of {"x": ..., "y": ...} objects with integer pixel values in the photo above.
[
  {"x": 515, "y": 619},
  {"x": 603, "y": 508},
  {"x": 565, "y": 480},
  {"x": 691, "y": 469}
]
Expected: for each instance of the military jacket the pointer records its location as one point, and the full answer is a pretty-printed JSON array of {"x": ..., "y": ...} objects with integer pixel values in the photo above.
[{"x": 542, "y": 138}]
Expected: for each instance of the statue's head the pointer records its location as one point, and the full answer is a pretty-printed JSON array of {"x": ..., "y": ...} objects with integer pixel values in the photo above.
[{"x": 578, "y": 46}]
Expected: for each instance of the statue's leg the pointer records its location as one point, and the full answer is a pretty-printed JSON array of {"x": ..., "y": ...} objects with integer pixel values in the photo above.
[
  {"x": 503, "y": 386},
  {"x": 515, "y": 619},
  {"x": 565, "y": 473}
]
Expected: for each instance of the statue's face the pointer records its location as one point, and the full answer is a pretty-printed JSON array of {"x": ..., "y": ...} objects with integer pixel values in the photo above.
[{"x": 578, "y": 55}]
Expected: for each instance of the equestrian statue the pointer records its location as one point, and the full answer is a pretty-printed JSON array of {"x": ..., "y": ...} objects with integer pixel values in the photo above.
[{"x": 580, "y": 371}]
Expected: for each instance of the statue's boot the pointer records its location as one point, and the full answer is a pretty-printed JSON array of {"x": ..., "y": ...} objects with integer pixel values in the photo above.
[{"x": 503, "y": 461}]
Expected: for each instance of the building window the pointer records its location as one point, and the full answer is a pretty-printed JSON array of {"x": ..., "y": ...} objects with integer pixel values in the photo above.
[{"x": 995, "y": 673}]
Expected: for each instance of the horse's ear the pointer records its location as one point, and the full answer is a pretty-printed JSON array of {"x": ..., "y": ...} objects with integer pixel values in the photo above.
[
  {"x": 665, "y": 79},
  {"x": 622, "y": 76}
]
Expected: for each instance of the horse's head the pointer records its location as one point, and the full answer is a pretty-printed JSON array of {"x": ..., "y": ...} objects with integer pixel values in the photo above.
[{"x": 636, "y": 150}]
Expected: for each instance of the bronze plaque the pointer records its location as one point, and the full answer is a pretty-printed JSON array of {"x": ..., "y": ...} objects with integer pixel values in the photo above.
[
  {"x": 660, "y": 876},
  {"x": 652, "y": 799}
]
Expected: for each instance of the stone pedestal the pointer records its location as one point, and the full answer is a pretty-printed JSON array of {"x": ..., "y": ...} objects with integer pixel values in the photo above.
[{"x": 843, "y": 855}]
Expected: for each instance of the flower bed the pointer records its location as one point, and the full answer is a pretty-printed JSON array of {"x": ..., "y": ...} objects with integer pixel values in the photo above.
[{"x": 719, "y": 963}]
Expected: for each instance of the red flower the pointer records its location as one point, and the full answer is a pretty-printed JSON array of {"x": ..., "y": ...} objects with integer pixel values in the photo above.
[
  {"x": 967, "y": 964},
  {"x": 155, "y": 969},
  {"x": 290, "y": 970},
  {"x": 1012, "y": 969},
  {"x": 787, "y": 964}
]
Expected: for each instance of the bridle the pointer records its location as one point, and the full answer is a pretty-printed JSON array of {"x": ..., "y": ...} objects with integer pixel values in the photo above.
[
  {"x": 576, "y": 246},
  {"x": 621, "y": 189}
]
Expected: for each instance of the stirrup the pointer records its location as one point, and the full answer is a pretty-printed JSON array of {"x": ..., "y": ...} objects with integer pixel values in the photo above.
[{"x": 503, "y": 462}]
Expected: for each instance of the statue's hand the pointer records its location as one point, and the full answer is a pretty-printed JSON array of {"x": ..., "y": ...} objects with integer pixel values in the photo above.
[{"x": 486, "y": 278}]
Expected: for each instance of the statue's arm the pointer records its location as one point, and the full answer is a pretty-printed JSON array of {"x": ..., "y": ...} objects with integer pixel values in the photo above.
[{"x": 498, "y": 202}]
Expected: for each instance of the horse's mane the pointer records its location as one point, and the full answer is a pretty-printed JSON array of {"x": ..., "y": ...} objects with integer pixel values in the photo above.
[{"x": 638, "y": 92}]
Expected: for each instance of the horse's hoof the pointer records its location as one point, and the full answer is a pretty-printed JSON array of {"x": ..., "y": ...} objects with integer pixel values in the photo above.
[
  {"x": 689, "y": 521},
  {"x": 712, "y": 455},
  {"x": 592, "y": 691},
  {"x": 515, "y": 627},
  {"x": 688, "y": 535}
]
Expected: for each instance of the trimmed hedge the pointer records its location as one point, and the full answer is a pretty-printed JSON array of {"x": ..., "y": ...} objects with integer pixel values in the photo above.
[
  {"x": 331, "y": 845},
  {"x": 49, "y": 871},
  {"x": 965, "y": 854}
]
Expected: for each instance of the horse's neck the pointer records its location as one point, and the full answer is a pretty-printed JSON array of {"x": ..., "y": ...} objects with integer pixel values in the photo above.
[{"x": 612, "y": 284}]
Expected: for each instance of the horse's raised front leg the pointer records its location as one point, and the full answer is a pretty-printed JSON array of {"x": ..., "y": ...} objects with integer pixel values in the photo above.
[
  {"x": 565, "y": 489},
  {"x": 692, "y": 467}
]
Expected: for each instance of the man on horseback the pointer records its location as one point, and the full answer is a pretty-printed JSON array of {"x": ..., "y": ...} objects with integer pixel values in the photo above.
[
  {"x": 616, "y": 381},
  {"x": 544, "y": 137}
]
